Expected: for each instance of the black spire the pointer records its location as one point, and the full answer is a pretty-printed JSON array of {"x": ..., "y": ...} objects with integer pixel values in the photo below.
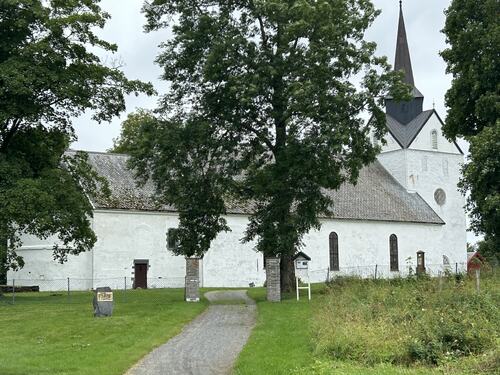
[
  {"x": 404, "y": 112},
  {"x": 403, "y": 60}
]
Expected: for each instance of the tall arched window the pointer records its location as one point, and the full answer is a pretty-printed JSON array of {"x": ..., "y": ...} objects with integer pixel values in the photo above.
[
  {"x": 393, "y": 249},
  {"x": 334, "y": 251},
  {"x": 434, "y": 139}
]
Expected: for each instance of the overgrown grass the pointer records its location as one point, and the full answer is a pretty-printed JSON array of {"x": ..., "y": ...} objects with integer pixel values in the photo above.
[
  {"x": 367, "y": 327},
  {"x": 45, "y": 335},
  {"x": 408, "y": 321}
]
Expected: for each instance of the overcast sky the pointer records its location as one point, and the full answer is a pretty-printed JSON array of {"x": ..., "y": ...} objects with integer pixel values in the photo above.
[{"x": 424, "y": 20}]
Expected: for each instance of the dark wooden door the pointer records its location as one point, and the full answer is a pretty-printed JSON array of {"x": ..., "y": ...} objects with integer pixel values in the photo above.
[{"x": 141, "y": 276}]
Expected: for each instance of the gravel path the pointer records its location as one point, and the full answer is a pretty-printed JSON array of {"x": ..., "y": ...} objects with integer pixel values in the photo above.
[{"x": 208, "y": 345}]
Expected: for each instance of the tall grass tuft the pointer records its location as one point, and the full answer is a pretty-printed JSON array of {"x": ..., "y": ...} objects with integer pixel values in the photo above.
[{"x": 408, "y": 321}]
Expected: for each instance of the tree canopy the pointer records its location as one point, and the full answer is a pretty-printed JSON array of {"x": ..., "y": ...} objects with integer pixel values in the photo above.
[
  {"x": 130, "y": 130},
  {"x": 481, "y": 180},
  {"x": 48, "y": 75},
  {"x": 473, "y": 32},
  {"x": 271, "y": 83}
]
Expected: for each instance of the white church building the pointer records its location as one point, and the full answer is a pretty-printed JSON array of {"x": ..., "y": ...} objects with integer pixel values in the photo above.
[{"x": 406, "y": 201}]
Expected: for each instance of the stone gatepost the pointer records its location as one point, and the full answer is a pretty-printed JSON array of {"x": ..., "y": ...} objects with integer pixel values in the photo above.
[
  {"x": 192, "y": 288},
  {"x": 273, "y": 279}
]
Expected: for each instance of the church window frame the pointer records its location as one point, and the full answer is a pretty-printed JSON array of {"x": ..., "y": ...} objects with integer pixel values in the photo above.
[
  {"x": 434, "y": 139},
  {"x": 446, "y": 169},
  {"x": 393, "y": 253},
  {"x": 425, "y": 163},
  {"x": 172, "y": 242},
  {"x": 440, "y": 196},
  {"x": 333, "y": 240}
]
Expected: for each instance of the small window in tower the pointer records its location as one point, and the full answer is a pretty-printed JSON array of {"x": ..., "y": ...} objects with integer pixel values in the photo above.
[
  {"x": 445, "y": 168},
  {"x": 424, "y": 164},
  {"x": 434, "y": 139}
]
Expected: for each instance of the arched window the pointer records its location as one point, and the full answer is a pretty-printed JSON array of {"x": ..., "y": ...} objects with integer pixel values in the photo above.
[
  {"x": 434, "y": 139},
  {"x": 334, "y": 252},
  {"x": 393, "y": 249},
  {"x": 172, "y": 241}
]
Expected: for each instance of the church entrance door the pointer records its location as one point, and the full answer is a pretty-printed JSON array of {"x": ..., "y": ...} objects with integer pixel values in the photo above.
[{"x": 141, "y": 274}]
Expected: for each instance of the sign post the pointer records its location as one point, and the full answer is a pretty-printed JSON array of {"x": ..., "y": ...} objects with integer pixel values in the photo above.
[{"x": 301, "y": 262}]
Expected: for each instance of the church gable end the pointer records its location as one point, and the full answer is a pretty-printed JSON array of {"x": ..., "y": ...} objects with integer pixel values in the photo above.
[{"x": 430, "y": 137}]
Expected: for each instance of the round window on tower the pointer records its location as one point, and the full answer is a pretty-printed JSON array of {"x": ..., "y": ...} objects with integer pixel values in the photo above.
[{"x": 440, "y": 197}]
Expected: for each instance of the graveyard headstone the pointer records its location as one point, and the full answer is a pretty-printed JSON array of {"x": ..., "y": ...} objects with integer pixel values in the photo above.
[{"x": 103, "y": 301}]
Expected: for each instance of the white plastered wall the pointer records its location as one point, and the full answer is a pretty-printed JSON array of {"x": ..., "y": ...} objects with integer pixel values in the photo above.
[
  {"x": 50, "y": 274},
  {"x": 391, "y": 143},
  {"x": 365, "y": 244},
  {"x": 124, "y": 236},
  {"x": 423, "y": 169}
]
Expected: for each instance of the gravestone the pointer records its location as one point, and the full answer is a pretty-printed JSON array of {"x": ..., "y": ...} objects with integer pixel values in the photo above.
[
  {"x": 420, "y": 262},
  {"x": 273, "y": 279},
  {"x": 192, "y": 288},
  {"x": 103, "y": 301}
]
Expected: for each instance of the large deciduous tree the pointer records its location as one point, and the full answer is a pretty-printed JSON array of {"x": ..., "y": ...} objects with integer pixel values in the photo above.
[
  {"x": 48, "y": 75},
  {"x": 271, "y": 83},
  {"x": 473, "y": 32}
]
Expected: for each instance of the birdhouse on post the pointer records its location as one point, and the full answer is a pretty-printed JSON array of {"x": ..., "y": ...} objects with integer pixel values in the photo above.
[
  {"x": 420, "y": 262},
  {"x": 301, "y": 261}
]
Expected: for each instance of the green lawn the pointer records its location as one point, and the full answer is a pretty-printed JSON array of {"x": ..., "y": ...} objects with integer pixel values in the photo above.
[
  {"x": 289, "y": 337},
  {"x": 45, "y": 335},
  {"x": 353, "y": 327}
]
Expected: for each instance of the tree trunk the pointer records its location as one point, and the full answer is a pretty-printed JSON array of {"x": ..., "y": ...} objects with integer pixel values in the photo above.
[{"x": 287, "y": 273}]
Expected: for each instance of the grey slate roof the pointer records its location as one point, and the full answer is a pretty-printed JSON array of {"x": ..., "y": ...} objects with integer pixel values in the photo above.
[
  {"x": 377, "y": 195},
  {"x": 405, "y": 134}
]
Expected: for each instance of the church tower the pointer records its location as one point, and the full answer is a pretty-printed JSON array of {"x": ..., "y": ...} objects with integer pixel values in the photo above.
[{"x": 423, "y": 160}]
